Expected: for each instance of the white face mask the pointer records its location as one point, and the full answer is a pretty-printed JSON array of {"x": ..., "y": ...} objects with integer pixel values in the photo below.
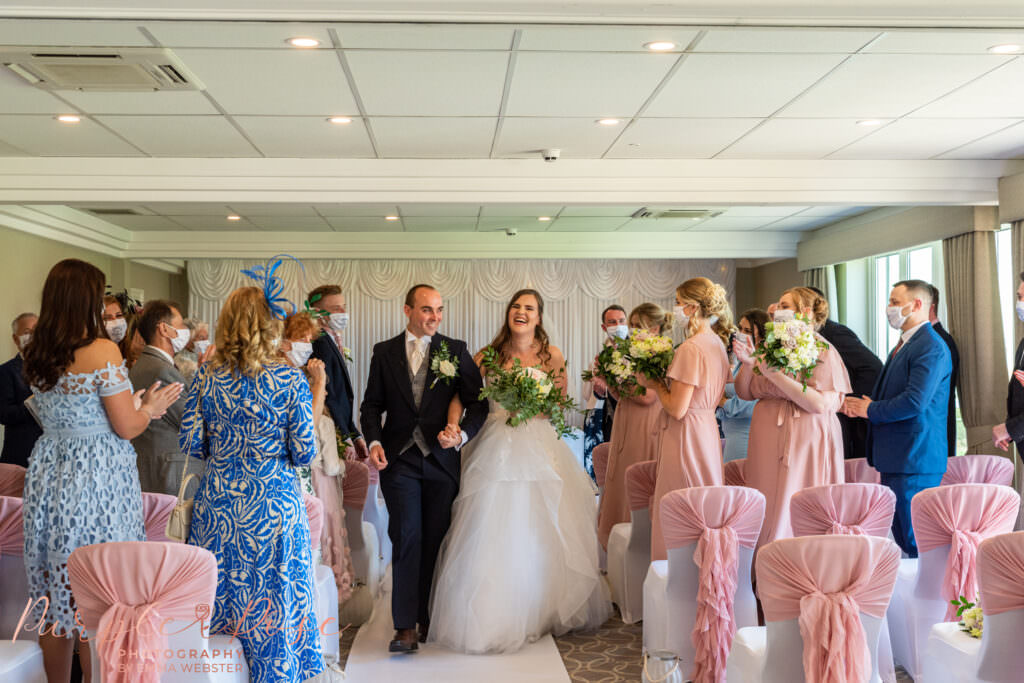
[
  {"x": 338, "y": 321},
  {"x": 783, "y": 315},
  {"x": 181, "y": 341},
  {"x": 23, "y": 340},
  {"x": 299, "y": 353},
  {"x": 743, "y": 338},
  {"x": 679, "y": 312},
  {"x": 895, "y": 316},
  {"x": 116, "y": 329},
  {"x": 201, "y": 346},
  {"x": 618, "y": 331},
  {"x": 1019, "y": 306}
]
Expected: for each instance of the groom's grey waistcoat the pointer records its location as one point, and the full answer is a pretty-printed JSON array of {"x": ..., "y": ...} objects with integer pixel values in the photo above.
[{"x": 419, "y": 381}]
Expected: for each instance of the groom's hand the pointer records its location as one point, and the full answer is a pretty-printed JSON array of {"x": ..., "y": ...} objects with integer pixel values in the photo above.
[
  {"x": 362, "y": 452},
  {"x": 377, "y": 456},
  {"x": 450, "y": 438}
]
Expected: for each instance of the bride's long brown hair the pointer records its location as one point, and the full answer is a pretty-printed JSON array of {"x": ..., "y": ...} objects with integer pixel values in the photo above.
[{"x": 501, "y": 342}]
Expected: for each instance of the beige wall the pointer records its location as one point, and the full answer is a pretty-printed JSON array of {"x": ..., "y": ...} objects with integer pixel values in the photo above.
[
  {"x": 26, "y": 259},
  {"x": 758, "y": 287}
]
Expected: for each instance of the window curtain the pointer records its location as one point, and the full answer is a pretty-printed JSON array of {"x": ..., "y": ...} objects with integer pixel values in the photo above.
[
  {"x": 475, "y": 295},
  {"x": 824, "y": 278},
  {"x": 975, "y": 321}
]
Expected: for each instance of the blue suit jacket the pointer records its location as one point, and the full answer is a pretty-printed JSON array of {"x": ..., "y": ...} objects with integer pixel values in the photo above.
[
  {"x": 340, "y": 397},
  {"x": 907, "y": 416}
]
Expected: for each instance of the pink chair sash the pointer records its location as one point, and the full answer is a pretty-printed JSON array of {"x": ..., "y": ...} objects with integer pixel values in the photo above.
[
  {"x": 12, "y": 480},
  {"x": 854, "y": 509},
  {"x": 1001, "y": 573},
  {"x": 640, "y": 478},
  {"x": 127, "y": 591},
  {"x": 720, "y": 519},
  {"x": 156, "y": 510},
  {"x": 961, "y": 516},
  {"x": 12, "y": 527},
  {"x": 734, "y": 475},
  {"x": 825, "y": 582},
  {"x": 354, "y": 484},
  {"x": 315, "y": 514},
  {"x": 859, "y": 471},
  {"x": 600, "y": 460},
  {"x": 978, "y": 469}
]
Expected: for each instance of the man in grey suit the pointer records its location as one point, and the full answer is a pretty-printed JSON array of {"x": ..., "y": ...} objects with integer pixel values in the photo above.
[{"x": 160, "y": 460}]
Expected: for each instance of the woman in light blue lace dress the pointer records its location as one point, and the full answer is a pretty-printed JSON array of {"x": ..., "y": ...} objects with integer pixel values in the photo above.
[
  {"x": 249, "y": 415},
  {"x": 82, "y": 485}
]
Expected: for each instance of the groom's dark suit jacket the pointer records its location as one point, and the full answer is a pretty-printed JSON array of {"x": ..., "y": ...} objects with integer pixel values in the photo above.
[{"x": 388, "y": 413}]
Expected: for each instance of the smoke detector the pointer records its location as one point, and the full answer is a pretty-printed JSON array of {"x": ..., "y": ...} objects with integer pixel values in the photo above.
[{"x": 100, "y": 70}]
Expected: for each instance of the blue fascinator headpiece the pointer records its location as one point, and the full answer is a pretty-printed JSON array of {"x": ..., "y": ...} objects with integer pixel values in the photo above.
[{"x": 266, "y": 278}]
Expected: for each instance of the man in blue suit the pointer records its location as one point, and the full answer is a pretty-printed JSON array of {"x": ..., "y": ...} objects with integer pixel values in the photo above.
[{"x": 907, "y": 410}]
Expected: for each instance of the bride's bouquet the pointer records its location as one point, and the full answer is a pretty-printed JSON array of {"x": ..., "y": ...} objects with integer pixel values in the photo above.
[
  {"x": 614, "y": 366},
  {"x": 791, "y": 347},
  {"x": 649, "y": 354},
  {"x": 525, "y": 392}
]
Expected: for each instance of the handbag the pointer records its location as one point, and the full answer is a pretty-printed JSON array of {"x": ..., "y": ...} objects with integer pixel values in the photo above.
[{"x": 180, "y": 521}]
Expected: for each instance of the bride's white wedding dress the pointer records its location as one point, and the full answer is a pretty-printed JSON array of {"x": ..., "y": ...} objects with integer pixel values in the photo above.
[{"x": 520, "y": 558}]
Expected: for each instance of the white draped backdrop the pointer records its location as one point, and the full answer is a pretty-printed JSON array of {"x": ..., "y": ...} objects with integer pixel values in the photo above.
[{"x": 475, "y": 294}]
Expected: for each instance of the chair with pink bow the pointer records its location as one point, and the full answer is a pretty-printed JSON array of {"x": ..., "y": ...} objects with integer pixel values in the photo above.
[
  {"x": 326, "y": 590},
  {"x": 20, "y": 656},
  {"x": 600, "y": 460},
  {"x": 734, "y": 472},
  {"x": 949, "y": 523},
  {"x": 140, "y": 601},
  {"x": 629, "y": 543},
  {"x": 12, "y": 480},
  {"x": 824, "y": 597},
  {"x": 362, "y": 536},
  {"x": 156, "y": 510},
  {"x": 376, "y": 513},
  {"x": 859, "y": 471},
  {"x": 952, "y": 656},
  {"x": 696, "y": 599},
  {"x": 978, "y": 469}
]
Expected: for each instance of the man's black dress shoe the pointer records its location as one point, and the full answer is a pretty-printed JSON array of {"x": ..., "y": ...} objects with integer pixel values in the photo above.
[{"x": 404, "y": 641}]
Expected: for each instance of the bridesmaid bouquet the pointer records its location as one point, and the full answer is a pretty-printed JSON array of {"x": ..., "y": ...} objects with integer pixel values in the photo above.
[
  {"x": 650, "y": 354},
  {"x": 525, "y": 392},
  {"x": 614, "y": 366},
  {"x": 791, "y": 347}
]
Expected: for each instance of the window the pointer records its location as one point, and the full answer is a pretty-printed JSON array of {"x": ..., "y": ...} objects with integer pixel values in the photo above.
[
  {"x": 919, "y": 263},
  {"x": 1008, "y": 281}
]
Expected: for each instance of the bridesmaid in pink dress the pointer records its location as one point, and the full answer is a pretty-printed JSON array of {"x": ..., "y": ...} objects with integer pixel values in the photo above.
[
  {"x": 690, "y": 451},
  {"x": 635, "y": 435},
  {"x": 795, "y": 438}
]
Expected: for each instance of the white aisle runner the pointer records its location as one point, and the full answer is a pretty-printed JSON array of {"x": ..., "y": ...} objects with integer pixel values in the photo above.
[{"x": 369, "y": 660}]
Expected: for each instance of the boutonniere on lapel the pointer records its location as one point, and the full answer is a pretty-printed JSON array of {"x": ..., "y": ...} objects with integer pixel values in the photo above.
[
  {"x": 443, "y": 365},
  {"x": 347, "y": 352}
]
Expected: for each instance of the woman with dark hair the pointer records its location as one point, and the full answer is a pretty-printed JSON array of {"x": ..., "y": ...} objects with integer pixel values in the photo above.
[
  {"x": 733, "y": 411},
  {"x": 520, "y": 558},
  {"x": 82, "y": 485}
]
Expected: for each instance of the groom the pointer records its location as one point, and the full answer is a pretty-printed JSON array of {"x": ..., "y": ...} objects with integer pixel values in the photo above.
[{"x": 417, "y": 451}]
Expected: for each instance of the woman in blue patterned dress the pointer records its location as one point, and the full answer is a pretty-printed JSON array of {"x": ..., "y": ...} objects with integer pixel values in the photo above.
[
  {"x": 82, "y": 485},
  {"x": 249, "y": 415}
]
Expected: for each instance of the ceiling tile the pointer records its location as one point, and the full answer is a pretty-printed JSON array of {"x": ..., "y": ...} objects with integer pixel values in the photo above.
[
  {"x": 523, "y": 223},
  {"x": 61, "y": 32},
  {"x": 366, "y": 224},
  {"x": 439, "y": 223},
  {"x": 784, "y": 40},
  {"x": 531, "y": 210},
  {"x": 1003, "y": 144},
  {"x": 356, "y": 210},
  {"x": 236, "y": 34},
  {"x": 283, "y": 82},
  {"x": 18, "y": 97},
  {"x": 997, "y": 93},
  {"x": 944, "y": 42},
  {"x": 885, "y": 86},
  {"x": 762, "y": 211},
  {"x": 796, "y": 139},
  {"x": 187, "y": 209},
  {"x": 443, "y": 210},
  {"x": 835, "y": 211},
  {"x": 738, "y": 85},
  {"x": 733, "y": 223},
  {"x": 213, "y": 223},
  {"x": 142, "y": 222},
  {"x": 429, "y": 83},
  {"x": 577, "y": 138},
  {"x": 584, "y": 84},
  {"x": 290, "y": 210},
  {"x": 602, "y": 38},
  {"x": 678, "y": 138},
  {"x": 460, "y": 138},
  {"x": 290, "y": 223},
  {"x": 587, "y": 224},
  {"x": 610, "y": 211},
  {"x": 44, "y": 136},
  {"x": 154, "y": 102},
  {"x": 182, "y": 136},
  {"x": 309, "y": 137},
  {"x": 658, "y": 225},
  {"x": 920, "y": 138},
  {"x": 425, "y": 36}
]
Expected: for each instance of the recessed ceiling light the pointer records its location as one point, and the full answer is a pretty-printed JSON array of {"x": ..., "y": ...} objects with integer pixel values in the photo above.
[
  {"x": 543, "y": 218},
  {"x": 340, "y": 119},
  {"x": 303, "y": 42},
  {"x": 869, "y": 122},
  {"x": 609, "y": 122},
  {"x": 391, "y": 218},
  {"x": 234, "y": 218},
  {"x": 69, "y": 118},
  {"x": 660, "y": 46},
  {"x": 1008, "y": 49}
]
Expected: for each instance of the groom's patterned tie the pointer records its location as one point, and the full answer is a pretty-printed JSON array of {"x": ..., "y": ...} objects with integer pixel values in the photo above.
[{"x": 416, "y": 356}]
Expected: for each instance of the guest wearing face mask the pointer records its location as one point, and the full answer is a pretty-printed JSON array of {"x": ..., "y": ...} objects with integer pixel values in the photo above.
[
  {"x": 734, "y": 412},
  {"x": 120, "y": 306},
  {"x": 1012, "y": 431},
  {"x": 160, "y": 461},
  {"x": 907, "y": 408},
  {"x": 330, "y": 348},
  {"x": 187, "y": 360},
  {"x": 114, "y": 320},
  {"x": 20, "y": 429},
  {"x": 613, "y": 323},
  {"x": 595, "y": 395}
]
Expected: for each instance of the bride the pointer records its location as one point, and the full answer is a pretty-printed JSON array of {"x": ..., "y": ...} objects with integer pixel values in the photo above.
[{"x": 520, "y": 557}]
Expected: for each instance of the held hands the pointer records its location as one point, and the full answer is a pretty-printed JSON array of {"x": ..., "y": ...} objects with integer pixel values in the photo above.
[
  {"x": 856, "y": 407},
  {"x": 362, "y": 452},
  {"x": 377, "y": 456},
  {"x": 155, "y": 400},
  {"x": 450, "y": 437},
  {"x": 1001, "y": 437}
]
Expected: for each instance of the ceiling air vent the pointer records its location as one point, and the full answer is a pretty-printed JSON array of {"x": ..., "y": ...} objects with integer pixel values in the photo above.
[
  {"x": 114, "y": 212},
  {"x": 106, "y": 70},
  {"x": 694, "y": 214}
]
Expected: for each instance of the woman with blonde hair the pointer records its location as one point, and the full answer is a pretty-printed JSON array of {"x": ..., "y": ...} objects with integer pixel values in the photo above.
[
  {"x": 635, "y": 435},
  {"x": 249, "y": 414},
  {"x": 795, "y": 437},
  {"x": 690, "y": 450}
]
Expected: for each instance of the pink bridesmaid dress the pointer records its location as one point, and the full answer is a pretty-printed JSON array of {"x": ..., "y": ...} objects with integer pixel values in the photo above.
[
  {"x": 634, "y": 439},
  {"x": 791, "y": 448},
  {"x": 689, "y": 451}
]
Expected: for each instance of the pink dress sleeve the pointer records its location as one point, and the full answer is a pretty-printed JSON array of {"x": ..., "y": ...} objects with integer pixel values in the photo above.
[
  {"x": 687, "y": 365},
  {"x": 830, "y": 373}
]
